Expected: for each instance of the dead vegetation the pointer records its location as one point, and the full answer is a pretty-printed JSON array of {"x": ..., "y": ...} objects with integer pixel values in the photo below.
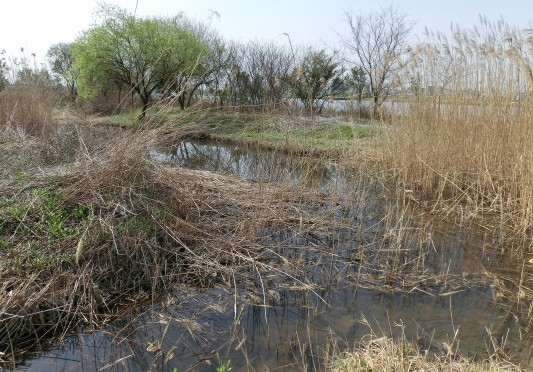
[
  {"x": 116, "y": 225},
  {"x": 91, "y": 223},
  {"x": 464, "y": 141},
  {"x": 111, "y": 226},
  {"x": 388, "y": 354},
  {"x": 461, "y": 145}
]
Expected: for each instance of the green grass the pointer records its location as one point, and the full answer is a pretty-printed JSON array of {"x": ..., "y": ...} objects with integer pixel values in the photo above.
[
  {"x": 281, "y": 130},
  {"x": 40, "y": 230},
  {"x": 37, "y": 230},
  {"x": 266, "y": 128},
  {"x": 130, "y": 118}
]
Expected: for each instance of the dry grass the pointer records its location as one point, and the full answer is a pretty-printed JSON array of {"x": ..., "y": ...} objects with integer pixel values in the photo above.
[
  {"x": 465, "y": 142},
  {"x": 386, "y": 354},
  {"x": 118, "y": 226},
  {"x": 462, "y": 146},
  {"x": 27, "y": 109},
  {"x": 375, "y": 353}
]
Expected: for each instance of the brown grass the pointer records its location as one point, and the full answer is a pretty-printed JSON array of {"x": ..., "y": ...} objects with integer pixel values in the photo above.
[
  {"x": 465, "y": 142},
  {"x": 148, "y": 226},
  {"x": 462, "y": 146},
  {"x": 145, "y": 227},
  {"x": 390, "y": 355},
  {"x": 385, "y": 353},
  {"x": 27, "y": 109}
]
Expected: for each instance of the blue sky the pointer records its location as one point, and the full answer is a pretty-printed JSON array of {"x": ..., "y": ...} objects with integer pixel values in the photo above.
[{"x": 36, "y": 24}]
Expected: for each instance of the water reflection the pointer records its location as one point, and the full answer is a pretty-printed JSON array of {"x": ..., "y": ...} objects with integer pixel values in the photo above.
[
  {"x": 255, "y": 165},
  {"x": 288, "y": 325},
  {"x": 290, "y": 333}
]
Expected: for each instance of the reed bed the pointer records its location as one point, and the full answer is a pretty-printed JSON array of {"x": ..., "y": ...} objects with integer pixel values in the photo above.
[
  {"x": 28, "y": 109},
  {"x": 378, "y": 350},
  {"x": 463, "y": 141},
  {"x": 388, "y": 354},
  {"x": 461, "y": 145},
  {"x": 115, "y": 227}
]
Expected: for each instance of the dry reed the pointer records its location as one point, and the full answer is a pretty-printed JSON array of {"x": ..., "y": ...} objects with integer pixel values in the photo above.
[
  {"x": 27, "y": 109},
  {"x": 143, "y": 226},
  {"x": 385, "y": 353},
  {"x": 461, "y": 144},
  {"x": 464, "y": 140}
]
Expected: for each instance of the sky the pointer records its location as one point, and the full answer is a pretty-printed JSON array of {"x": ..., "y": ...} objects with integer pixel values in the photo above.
[{"x": 37, "y": 24}]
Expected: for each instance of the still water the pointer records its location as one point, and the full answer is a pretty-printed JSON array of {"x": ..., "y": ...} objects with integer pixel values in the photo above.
[{"x": 290, "y": 327}]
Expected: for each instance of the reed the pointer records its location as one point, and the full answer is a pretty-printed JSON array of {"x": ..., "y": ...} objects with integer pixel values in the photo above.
[
  {"x": 27, "y": 109},
  {"x": 463, "y": 140},
  {"x": 116, "y": 226},
  {"x": 389, "y": 354}
]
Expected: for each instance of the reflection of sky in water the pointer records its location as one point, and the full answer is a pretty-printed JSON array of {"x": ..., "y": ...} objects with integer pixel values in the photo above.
[
  {"x": 254, "y": 165},
  {"x": 274, "y": 336},
  {"x": 299, "y": 321}
]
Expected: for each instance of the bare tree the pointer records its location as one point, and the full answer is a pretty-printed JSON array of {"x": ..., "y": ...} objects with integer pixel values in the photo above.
[
  {"x": 257, "y": 74},
  {"x": 3, "y": 71},
  {"x": 377, "y": 42},
  {"x": 61, "y": 62}
]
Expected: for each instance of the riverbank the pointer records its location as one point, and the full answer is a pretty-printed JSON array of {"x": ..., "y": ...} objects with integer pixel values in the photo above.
[{"x": 103, "y": 224}]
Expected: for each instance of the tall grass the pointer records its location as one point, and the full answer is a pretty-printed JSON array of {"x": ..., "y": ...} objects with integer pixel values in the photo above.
[
  {"x": 27, "y": 109},
  {"x": 465, "y": 141}
]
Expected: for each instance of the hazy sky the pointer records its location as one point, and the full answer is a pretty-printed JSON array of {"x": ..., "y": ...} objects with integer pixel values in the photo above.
[{"x": 37, "y": 24}]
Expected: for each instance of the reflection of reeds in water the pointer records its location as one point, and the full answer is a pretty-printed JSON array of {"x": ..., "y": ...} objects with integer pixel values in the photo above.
[{"x": 463, "y": 144}]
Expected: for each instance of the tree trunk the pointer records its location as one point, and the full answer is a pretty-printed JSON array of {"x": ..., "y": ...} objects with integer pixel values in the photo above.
[
  {"x": 375, "y": 113},
  {"x": 181, "y": 101},
  {"x": 145, "y": 101}
]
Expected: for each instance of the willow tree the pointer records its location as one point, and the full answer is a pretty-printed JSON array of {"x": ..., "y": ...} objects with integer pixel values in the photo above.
[{"x": 145, "y": 55}]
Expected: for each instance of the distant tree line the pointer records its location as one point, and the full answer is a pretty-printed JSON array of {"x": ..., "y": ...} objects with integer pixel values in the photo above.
[{"x": 182, "y": 60}]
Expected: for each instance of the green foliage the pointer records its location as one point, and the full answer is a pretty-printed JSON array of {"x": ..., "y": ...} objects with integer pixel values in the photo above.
[
  {"x": 334, "y": 132},
  {"x": 35, "y": 230},
  {"x": 42, "y": 213},
  {"x": 138, "y": 224},
  {"x": 356, "y": 81},
  {"x": 312, "y": 81},
  {"x": 223, "y": 365},
  {"x": 145, "y": 55},
  {"x": 61, "y": 64},
  {"x": 32, "y": 255}
]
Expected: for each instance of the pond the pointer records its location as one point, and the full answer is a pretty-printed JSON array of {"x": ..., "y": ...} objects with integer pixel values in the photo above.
[{"x": 333, "y": 298}]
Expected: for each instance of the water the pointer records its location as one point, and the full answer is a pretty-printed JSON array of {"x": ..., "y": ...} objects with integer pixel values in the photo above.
[
  {"x": 278, "y": 335},
  {"x": 254, "y": 165},
  {"x": 289, "y": 325}
]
